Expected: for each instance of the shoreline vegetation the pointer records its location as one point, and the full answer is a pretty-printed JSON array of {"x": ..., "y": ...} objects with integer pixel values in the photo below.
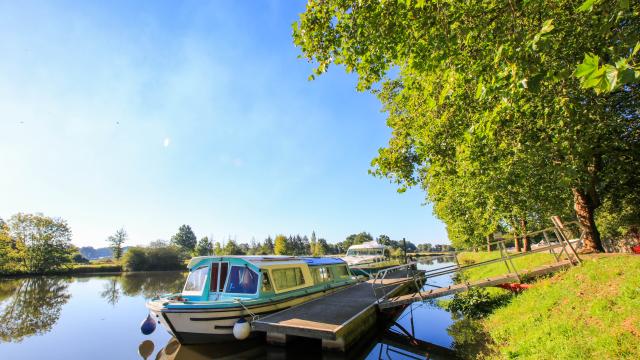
[
  {"x": 34, "y": 244},
  {"x": 588, "y": 311}
]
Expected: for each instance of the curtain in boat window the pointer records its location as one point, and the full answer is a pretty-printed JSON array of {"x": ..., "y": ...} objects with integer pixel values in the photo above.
[
  {"x": 321, "y": 274},
  {"x": 242, "y": 280},
  {"x": 341, "y": 271},
  {"x": 287, "y": 278}
]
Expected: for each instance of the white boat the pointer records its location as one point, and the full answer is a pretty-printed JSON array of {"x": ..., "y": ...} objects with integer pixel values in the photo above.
[
  {"x": 223, "y": 294},
  {"x": 366, "y": 253}
]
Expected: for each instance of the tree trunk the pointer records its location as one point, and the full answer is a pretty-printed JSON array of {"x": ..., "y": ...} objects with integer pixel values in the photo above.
[
  {"x": 516, "y": 242},
  {"x": 584, "y": 206},
  {"x": 525, "y": 238},
  {"x": 489, "y": 241}
]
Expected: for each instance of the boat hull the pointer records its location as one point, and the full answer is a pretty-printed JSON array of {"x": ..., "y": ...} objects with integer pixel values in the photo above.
[{"x": 200, "y": 326}]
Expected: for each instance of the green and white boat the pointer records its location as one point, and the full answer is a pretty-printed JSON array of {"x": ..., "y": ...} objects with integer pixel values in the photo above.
[{"x": 223, "y": 294}]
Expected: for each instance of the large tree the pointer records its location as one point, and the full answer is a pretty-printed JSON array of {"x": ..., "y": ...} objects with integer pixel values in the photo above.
[
  {"x": 204, "y": 247},
  {"x": 44, "y": 243},
  {"x": 115, "y": 242},
  {"x": 487, "y": 116},
  {"x": 281, "y": 245},
  {"x": 185, "y": 239}
]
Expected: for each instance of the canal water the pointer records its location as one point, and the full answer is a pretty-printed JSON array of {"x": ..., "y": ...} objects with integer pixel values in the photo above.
[{"x": 98, "y": 317}]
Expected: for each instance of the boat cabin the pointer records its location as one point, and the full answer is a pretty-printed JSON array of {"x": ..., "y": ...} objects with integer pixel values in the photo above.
[
  {"x": 365, "y": 253},
  {"x": 219, "y": 278}
]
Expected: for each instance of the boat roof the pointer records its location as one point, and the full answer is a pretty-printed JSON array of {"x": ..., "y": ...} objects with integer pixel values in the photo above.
[
  {"x": 368, "y": 245},
  {"x": 323, "y": 261},
  {"x": 262, "y": 260}
]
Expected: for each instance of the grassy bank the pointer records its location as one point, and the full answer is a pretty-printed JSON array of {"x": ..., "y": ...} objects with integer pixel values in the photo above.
[
  {"x": 586, "y": 312},
  {"x": 522, "y": 263}
]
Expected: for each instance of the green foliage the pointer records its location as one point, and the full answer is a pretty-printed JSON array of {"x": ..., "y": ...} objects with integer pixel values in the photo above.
[
  {"x": 150, "y": 259},
  {"x": 617, "y": 63},
  {"x": 268, "y": 247},
  {"x": 32, "y": 306},
  {"x": 91, "y": 268},
  {"x": 355, "y": 239},
  {"x": 115, "y": 241},
  {"x": 476, "y": 303},
  {"x": 232, "y": 248},
  {"x": 495, "y": 129},
  {"x": 204, "y": 247},
  {"x": 281, "y": 246},
  {"x": 39, "y": 244},
  {"x": 79, "y": 259},
  {"x": 185, "y": 239}
]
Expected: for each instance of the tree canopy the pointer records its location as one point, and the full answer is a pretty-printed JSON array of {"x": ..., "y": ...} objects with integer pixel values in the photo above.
[
  {"x": 116, "y": 240},
  {"x": 185, "y": 239},
  {"x": 486, "y": 112}
]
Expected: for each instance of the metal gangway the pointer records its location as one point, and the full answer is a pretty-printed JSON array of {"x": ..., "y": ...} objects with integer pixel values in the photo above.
[{"x": 564, "y": 243}]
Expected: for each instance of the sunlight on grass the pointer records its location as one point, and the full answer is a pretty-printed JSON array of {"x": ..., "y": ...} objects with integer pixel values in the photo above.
[
  {"x": 523, "y": 263},
  {"x": 587, "y": 312}
]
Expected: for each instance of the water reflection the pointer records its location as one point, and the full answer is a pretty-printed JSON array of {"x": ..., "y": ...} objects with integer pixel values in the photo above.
[
  {"x": 146, "y": 284},
  {"x": 110, "y": 308},
  {"x": 30, "y": 306}
]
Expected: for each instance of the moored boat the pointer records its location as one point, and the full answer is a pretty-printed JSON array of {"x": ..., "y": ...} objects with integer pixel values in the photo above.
[
  {"x": 366, "y": 253},
  {"x": 222, "y": 294}
]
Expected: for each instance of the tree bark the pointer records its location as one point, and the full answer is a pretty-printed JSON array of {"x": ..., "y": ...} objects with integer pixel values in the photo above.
[
  {"x": 516, "y": 242},
  {"x": 525, "y": 239},
  {"x": 489, "y": 241},
  {"x": 585, "y": 205}
]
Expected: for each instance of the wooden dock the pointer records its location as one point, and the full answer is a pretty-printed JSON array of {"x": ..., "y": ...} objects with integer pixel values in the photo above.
[
  {"x": 338, "y": 319},
  {"x": 458, "y": 288}
]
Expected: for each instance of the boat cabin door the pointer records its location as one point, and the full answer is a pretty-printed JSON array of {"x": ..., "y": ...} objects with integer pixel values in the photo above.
[{"x": 219, "y": 272}]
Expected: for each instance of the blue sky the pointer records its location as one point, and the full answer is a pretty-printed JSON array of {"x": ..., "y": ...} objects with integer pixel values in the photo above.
[{"x": 148, "y": 115}]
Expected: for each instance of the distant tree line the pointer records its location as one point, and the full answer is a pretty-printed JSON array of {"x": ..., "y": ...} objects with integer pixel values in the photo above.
[{"x": 35, "y": 244}]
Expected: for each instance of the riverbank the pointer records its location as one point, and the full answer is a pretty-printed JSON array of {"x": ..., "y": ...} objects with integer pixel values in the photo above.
[
  {"x": 108, "y": 268},
  {"x": 589, "y": 311}
]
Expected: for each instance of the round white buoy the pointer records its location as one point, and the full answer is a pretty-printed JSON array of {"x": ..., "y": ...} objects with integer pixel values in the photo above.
[{"x": 241, "y": 329}]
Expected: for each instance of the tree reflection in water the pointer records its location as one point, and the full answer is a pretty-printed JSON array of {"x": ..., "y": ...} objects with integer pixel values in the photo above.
[
  {"x": 30, "y": 306},
  {"x": 147, "y": 284},
  {"x": 111, "y": 292}
]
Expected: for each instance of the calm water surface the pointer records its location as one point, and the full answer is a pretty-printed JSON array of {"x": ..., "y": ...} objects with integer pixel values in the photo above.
[{"x": 98, "y": 317}]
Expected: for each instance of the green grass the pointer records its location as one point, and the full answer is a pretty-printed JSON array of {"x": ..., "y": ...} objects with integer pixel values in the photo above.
[
  {"x": 522, "y": 263},
  {"x": 94, "y": 268},
  {"x": 587, "y": 312}
]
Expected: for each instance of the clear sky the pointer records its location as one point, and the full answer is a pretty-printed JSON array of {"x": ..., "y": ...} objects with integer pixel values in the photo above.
[{"x": 148, "y": 115}]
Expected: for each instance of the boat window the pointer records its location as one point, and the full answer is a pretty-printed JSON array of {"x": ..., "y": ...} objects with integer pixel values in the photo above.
[
  {"x": 321, "y": 274},
  {"x": 287, "y": 278},
  {"x": 242, "y": 280},
  {"x": 196, "y": 280},
  {"x": 214, "y": 277},
  {"x": 224, "y": 270},
  {"x": 266, "y": 282},
  {"x": 341, "y": 271}
]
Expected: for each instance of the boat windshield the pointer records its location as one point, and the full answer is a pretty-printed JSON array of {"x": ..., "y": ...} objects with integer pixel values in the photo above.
[
  {"x": 196, "y": 280},
  {"x": 242, "y": 280},
  {"x": 364, "y": 252}
]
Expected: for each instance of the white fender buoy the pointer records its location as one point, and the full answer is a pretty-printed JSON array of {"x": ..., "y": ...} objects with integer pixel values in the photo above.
[{"x": 241, "y": 329}]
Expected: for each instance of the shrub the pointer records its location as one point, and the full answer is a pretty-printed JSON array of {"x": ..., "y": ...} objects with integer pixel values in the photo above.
[
  {"x": 156, "y": 258},
  {"x": 476, "y": 303},
  {"x": 79, "y": 259}
]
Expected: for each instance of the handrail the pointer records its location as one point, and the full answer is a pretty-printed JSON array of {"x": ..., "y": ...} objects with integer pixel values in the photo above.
[{"x": 382, "y": 274}]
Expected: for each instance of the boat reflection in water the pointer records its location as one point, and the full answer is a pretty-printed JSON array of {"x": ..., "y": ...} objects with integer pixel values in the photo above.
[{"x": 173, "y": 350}]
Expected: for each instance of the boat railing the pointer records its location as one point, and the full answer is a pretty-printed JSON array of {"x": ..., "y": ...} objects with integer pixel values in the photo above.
[{"x": 410, "y": 273}]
